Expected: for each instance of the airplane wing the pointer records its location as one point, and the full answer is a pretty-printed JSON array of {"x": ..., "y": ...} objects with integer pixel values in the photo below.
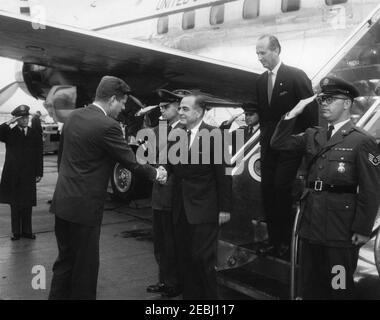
[{"x": 143, "y": 66}]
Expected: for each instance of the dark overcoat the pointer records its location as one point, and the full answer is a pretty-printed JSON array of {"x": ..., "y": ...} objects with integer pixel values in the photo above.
[{"x": 23, "y": 163}]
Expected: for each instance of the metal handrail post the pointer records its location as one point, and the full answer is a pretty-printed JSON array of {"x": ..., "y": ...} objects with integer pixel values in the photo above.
[{"x": 294, "y": 256}]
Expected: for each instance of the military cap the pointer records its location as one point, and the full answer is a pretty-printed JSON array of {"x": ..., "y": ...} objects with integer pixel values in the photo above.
[
  {"x": 21, "y": 111},
  {"x": 250, "y": 107},
  {"x": 334, "y": 85},
  {"x": 172, "y": 96}
]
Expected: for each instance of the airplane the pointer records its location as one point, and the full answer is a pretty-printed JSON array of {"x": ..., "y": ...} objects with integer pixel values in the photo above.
[{"x": 67, "y": 58}]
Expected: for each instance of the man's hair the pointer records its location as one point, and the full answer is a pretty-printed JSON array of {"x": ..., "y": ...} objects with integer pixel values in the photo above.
[
  {"x": 111, "y": 86},
  {"x": 273, "y": 42},
  {"x": 200, "y": 101}
]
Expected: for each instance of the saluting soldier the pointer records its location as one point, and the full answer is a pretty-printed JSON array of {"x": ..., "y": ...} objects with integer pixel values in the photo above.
[
  {"x": 340, "y": 204},
  {"x": 251, "y": 113},
  {"x": 23, "y": 168}
]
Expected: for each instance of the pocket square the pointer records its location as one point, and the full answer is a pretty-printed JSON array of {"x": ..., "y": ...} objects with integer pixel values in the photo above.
[{"x": 283, "y": 93}]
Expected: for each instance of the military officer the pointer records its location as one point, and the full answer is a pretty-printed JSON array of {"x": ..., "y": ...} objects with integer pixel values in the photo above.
[
  {"x": 169, "y": 284},
  {"x": 251, "y": 113},
  {"x": 340, "y": 204},
  {"x": 23, "y": 167}
]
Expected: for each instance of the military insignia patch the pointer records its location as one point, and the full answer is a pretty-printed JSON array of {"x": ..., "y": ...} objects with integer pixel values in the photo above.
[{"x": 374, "y": 160}]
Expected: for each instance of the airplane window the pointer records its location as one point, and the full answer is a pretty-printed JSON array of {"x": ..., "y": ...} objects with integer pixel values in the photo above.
[
  {"x": 217, "y": 14},
  {"x": 290, "y": 5},
  {"x": 188, "y": 20},
  {"x": 251, "y": 9},
  {"x": 163, "y": 25},
  {"x": 334, "y": 2}
]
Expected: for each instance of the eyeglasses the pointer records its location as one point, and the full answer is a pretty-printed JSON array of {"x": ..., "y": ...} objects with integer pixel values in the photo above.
[{"x": 328, "y": 99}]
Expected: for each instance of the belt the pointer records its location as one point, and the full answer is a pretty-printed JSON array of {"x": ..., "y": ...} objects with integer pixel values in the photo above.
[{"x": 321, "y": 186}]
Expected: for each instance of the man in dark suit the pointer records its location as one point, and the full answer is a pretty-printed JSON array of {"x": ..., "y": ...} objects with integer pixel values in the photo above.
[
  {"x": 202, "y": 201},
  {"x": 23, "y": 168},
  {"x": 92, "y": 143},
  {"x": 278, "y": 91},
  {"x": 340, "y": 204},
  {"x": 169, "y": 284}
]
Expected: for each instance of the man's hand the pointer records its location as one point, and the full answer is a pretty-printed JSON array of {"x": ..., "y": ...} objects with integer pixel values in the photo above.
[
  {"x": 233, "y": 118},
  {"x": 224, "y": 217},
  {"x": 162, "y": 175},
  {"x": 298, "y": 109},
  {"x": 38, "y": 179},
  {"x": 359, "y": 240},
  {"x": 13, "y": 120}
]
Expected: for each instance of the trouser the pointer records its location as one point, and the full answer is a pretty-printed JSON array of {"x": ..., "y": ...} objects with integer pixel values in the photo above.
[
  {"x": 197, "y": 250},
  {"x": 75, "y": 272},
  {"x": 165, "y": 248},
  {"x": 21, "y": 219},
  {"x": 278, "y": 173},
  {"x": 327, "y": 272}
]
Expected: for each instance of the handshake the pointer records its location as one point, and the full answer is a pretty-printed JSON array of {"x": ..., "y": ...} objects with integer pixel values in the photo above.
[{"x": 162, "y": 175}]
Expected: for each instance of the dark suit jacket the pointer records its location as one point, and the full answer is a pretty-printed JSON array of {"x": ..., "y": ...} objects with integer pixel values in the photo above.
[
  {"x": 202, "y": 189},
  {"x": 92, "y": 144},
  {"x": 23, "y": 163},
  {"x": 291, "y": 86}
]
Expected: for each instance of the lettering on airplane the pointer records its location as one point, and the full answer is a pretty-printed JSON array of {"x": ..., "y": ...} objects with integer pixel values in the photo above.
[
  {"x": 169, "y": 4},
  {"x": 172, "y": 4}
]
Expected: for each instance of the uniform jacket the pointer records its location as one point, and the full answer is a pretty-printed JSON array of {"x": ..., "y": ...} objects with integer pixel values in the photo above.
[
  {"x": 23, "y": 163},
  {"x": 291, "y": 86},
  {"x": 92, "y": 143},
  {"x": 162, "y": 194},
  {"x": 202, "y": 189},
  {"x": 349, "y": 158}
]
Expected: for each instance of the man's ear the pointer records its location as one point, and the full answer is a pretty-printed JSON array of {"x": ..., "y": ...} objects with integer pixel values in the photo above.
[{"x": 347, "y": 104}]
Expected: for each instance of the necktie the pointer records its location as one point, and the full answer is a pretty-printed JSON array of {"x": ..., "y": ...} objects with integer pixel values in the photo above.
[
  {"x": 329, "y": 132},
  {"x": 270, "y": 86},
  {"x": 188, "y": 138}
]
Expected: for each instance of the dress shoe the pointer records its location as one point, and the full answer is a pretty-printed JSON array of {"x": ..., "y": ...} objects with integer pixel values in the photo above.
[
  {"x": 28, "y": 236},
  {"x": 266, "y": 250},
  {"x": 156, "y": 288},
  {"x": 171, "y": 292},
  {"x": 15, "y": 237}
]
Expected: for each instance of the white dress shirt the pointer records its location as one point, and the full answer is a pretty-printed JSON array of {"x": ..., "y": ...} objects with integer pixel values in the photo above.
[
  {"x": 100, "y": 107},
  {"x": 274, "y": 72},
  {"x": 337, "y": 126},
  {"x": 194, "y": 132}
]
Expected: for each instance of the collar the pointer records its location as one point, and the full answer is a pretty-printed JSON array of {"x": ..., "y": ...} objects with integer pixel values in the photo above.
[
  {"x": 100, "y": 107},
  {"x": 275, "y": 69},
  {"x": 175, "y": 124},
  {"x": 196, "y": 128},
  {"x": 339, "y": 125}
]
